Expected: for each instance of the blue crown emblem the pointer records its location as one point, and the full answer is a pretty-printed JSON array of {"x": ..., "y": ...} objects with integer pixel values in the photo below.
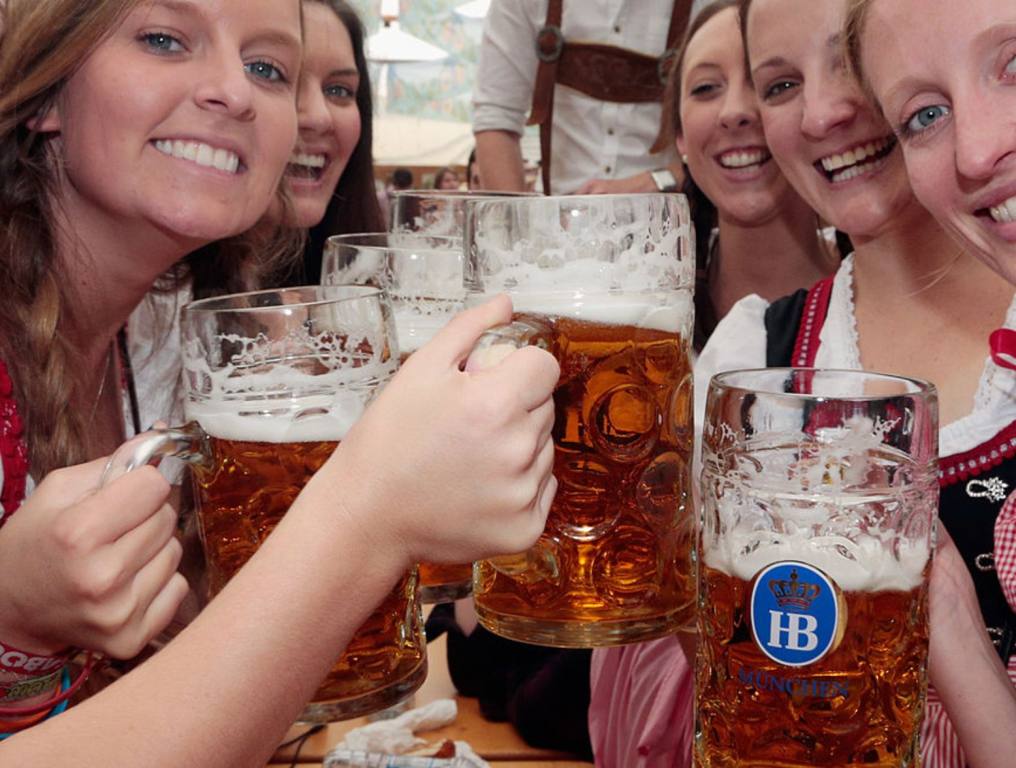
[{"x": 791, "y": 593}]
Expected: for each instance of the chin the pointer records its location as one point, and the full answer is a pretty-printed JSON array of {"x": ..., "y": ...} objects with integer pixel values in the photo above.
[{"x": 304, "y": 214}]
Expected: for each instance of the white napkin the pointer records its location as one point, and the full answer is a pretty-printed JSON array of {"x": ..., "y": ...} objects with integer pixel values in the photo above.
[{"x": 398, "y": 736}]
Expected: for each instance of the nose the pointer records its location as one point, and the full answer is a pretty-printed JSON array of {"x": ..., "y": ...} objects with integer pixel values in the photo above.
[
  {"x": 829, "y": 104},
  {"x": 225, "y": 86},
  {"x": 312, "y": 109},
  {"x": 740, "y": 106},
  {"x": 985, "y": 136}
]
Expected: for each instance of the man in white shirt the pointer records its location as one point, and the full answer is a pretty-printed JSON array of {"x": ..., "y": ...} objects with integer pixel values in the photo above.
[{"x": 598, "y": 145}]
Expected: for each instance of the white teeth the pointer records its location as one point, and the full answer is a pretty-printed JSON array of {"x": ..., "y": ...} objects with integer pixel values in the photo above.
[
  {"x": 855, "y": 155},
  {"x": 1004, "y": 212},
  {"x": 311, "y": 161},
  {"x": 743, "y": 158},
  {"x": 200, "y": 153}
]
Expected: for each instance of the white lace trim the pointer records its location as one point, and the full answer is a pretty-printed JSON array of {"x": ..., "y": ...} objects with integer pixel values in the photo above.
[
  {"x": 994, "y": 404},
  {"x": 838, "y": 340}
]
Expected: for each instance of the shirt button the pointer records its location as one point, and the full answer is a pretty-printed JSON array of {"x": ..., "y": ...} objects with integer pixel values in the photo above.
[
  {"x": 610, "y": 131},
  {"x": 617, "y": 28},
  {"x": 607, "y": 169}
]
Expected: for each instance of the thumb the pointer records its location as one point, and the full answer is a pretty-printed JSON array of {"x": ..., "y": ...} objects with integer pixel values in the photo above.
[{"x": 456, "y": 340}]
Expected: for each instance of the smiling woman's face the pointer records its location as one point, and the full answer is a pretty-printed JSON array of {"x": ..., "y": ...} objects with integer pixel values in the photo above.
[
  {"x": 721, "y": 133},
  {"x": 947, "y": 84},
  {"x": 182, "y": 119},
  {"x": 829, "y": 141}
]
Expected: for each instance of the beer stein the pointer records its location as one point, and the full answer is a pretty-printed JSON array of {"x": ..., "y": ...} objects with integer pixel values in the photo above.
[
  {"x": 437, "y": 212},
  {"x": 819, "y": 500},
  {"x": 273, "y": 381},
  {"x": 422, "y": 277},
  {"x": 604, "y": 283}
]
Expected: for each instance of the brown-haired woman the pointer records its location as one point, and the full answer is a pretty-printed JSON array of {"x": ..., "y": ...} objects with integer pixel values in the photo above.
[{"x": 132, "y": 133}]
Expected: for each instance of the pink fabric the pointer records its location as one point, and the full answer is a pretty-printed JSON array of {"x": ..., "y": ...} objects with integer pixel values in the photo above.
[{"x": 640, "y": 713}]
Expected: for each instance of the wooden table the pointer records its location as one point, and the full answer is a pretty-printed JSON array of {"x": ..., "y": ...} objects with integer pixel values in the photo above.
[{"x": 498, "y": 743}]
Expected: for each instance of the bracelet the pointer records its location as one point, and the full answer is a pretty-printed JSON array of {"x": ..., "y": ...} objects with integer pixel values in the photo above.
[
  {"x": 57, "y": 698},
  {"x": 27, "y": 687},
  {"x": 10, "y": 727},
  {"x": 18, "y": 662}
]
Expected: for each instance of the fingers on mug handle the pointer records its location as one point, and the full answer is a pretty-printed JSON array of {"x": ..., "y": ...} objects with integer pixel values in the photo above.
[
  {"x": 148, "y": 447},
  {"x": 455, "y": 341}
]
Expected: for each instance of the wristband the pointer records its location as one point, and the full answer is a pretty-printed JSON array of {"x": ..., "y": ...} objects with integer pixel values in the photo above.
[
  {"x": 26, "y": 665},
  {"x": 10, "y": 727},
  {"x": 27, "y": 687}
]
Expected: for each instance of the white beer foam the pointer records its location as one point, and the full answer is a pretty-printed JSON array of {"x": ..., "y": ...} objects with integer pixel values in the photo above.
[
  {"x": 299, "y": 420},
  {"x": 670, "y": 313},
  {"x": 415, "y": 329},
  {"x": 865, "y": 563}
]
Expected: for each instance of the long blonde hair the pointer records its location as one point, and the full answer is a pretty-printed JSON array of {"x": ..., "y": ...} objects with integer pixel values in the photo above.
[{"x": 42, "y": 42}]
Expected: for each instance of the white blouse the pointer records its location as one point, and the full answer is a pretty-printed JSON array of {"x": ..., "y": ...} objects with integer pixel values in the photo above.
[{"x": 739, "y": 341}]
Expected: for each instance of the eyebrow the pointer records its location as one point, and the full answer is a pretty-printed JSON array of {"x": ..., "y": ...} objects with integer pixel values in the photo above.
[
  {"x": 192, "y": 8},
  {"x": 772, "y": 61},
  {"x": 343, "y": 72}
]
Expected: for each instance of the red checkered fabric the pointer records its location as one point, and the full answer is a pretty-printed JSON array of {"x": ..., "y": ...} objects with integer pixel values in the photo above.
[{"x": 1005, "y": 549}]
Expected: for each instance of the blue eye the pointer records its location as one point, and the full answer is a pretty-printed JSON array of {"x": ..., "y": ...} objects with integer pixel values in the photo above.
[
  {"x": 162, "y": 42},
  {"x": 926, "y": 117},
  {"x": 265, "y": 70},
  {"x": 339, "y": 92}
]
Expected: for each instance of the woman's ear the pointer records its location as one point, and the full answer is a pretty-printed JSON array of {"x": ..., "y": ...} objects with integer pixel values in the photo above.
[
  {"x": 681, "y": 148},
  {"x": 46, "y": 121}
]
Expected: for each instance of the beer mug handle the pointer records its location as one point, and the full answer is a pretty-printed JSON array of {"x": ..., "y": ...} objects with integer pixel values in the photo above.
[
  {"x": 498, "y": 342},
  {"x": 186, "y": 442}
]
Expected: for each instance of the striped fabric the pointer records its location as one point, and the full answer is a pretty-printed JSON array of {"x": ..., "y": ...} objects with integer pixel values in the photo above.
[{"x": 940, "y": 747}]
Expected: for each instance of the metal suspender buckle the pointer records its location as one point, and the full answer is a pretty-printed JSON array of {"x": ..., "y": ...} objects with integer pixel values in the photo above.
[{"x": 549, "y": 43}]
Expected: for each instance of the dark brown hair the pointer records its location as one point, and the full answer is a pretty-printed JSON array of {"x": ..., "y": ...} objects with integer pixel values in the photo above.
[
  {"x": 703, "y": 212},
  {"x": 354, "y": 207}
]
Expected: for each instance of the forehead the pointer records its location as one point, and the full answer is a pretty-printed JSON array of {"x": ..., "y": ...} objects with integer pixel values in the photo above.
[
  {"x": 718, "y": 41},
  {"x": 929, "y": 35},
  {"x": 281, "y": 16},
  {"x": 780, "y": 26},
  {"x": 326, "y": 37}
]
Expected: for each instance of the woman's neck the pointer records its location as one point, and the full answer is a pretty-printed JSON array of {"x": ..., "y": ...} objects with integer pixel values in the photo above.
[{"x": 771, "y": 259}]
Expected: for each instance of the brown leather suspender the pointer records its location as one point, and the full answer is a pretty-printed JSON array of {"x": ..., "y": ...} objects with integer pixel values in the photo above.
[{"x": 603, "y": 72}]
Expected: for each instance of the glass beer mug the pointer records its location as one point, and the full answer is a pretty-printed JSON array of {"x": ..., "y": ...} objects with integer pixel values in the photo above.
[
  {"x": 819, "y": 500},
  {"x": 273, "y": 381},
  {"x": 605, "y": 284},
  {"x": 422, "y": 277}
]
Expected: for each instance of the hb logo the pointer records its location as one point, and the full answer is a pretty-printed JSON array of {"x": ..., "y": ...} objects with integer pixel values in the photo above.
[{"x": 796, "y": 613}]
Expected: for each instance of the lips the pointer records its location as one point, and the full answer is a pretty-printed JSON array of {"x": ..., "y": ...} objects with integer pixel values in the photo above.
[
  {"x": 200, "y": 153},
  {"x": 739, "y": 159},
  {"x": 1004, "y": 212},
  {"x": 856, "y": 161},
  {"x": 306, "y": 165}
]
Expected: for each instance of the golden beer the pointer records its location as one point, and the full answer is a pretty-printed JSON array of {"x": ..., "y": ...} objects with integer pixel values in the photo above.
[
  {"x": 243, "y": 489},
  {"x": 614, "y": 564},
  {"x": 859, "y": 705}
]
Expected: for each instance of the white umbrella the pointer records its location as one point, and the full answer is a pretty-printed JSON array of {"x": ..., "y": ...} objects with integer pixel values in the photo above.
[
  {"x": 475, "y": 9},
  {"x": 390, "y": 45}
]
